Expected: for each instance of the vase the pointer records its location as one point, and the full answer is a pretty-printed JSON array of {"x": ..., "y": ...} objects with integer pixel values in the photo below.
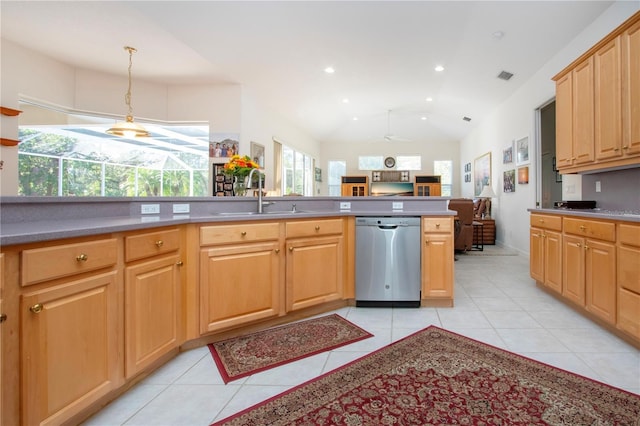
[{"x": 239, "y": 186}]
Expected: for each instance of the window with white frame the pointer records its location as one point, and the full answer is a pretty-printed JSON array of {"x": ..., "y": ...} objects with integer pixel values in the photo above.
[
  {"x": 445, "y": 170},
  {"x": 370, "y": 162},
  {"x": 337, "y": 169},
  {"x": 297, "y": 172},
  {"x": 409, "y": 162}
]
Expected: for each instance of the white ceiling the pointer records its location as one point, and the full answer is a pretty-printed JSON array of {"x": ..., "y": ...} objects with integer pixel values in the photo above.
[{"x": 384, "y": 53}]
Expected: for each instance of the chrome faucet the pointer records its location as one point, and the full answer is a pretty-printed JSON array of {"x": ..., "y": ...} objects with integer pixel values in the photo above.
[{"x": 261, "y": 204}]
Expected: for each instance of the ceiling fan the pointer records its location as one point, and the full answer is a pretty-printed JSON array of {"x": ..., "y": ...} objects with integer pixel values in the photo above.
[{"x": 390, "y": 137}]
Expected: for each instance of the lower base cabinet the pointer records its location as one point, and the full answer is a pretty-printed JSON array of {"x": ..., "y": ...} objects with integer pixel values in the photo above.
[
  {"x": 238, "y": 284},
  {"x": 152, "y": 296},
  {"x": 69, "y": 348},
  {"x": 313, "y": 271},
  {"x": 437, "y": 260}
]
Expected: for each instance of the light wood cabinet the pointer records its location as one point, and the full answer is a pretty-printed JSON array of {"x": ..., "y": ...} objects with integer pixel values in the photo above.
[
  {"x": 314, "y": 262},
  {"x": 240, "y": 274},
  {"x": 437, "y": 261},
  {"x": 354, "y": 186},
  {"x": 598, "y": 104},
  {"x": 69, "y": 347},
  {"x": 630, "y": 41},
  {"x": 2, "y": 320},
  {"x": 152, "y": 297},
  {"x": 545, "y": 248},
  {"x": 590, "y": 266},
  {"x": 628, "y": 250}
]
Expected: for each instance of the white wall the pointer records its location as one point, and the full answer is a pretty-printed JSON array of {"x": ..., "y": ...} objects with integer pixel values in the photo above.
[{"x": 515, "y": 118}]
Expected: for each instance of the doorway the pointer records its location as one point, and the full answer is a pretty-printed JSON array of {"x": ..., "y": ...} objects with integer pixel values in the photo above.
[{"x": 550, "y": 181}]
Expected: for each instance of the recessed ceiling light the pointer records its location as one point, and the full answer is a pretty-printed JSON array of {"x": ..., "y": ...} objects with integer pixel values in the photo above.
[
  {"x": 355, "y": 118},
  {"x": 329, "y": 70},
  {"x": 423, "y": 118},
  {"x": 345, "y": 101},
  {"x": 429, "y": 99},
  {"x": 439, "y": 68}
]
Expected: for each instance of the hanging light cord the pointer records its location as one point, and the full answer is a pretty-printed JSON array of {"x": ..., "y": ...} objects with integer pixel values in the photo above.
[{"x": 127, "y": 96}]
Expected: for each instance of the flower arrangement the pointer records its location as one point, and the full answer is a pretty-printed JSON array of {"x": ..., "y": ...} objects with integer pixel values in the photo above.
[{"x": 240, "y": 166}]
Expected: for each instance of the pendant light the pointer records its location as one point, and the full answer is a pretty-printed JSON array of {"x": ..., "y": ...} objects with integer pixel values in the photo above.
[{"x": 128, "y": 128}]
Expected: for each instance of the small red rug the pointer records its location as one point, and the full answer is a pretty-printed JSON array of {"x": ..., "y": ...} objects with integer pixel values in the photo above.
[
  {"x": 245, "y": 355},
  {"x": 436, "y": 377}
]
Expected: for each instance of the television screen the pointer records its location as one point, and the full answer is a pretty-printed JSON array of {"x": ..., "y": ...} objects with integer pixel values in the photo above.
[{"x": 387, "y": 189}]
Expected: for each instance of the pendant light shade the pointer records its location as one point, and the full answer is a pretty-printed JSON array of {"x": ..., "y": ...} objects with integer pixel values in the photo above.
[{"x": 128, "y": 128}]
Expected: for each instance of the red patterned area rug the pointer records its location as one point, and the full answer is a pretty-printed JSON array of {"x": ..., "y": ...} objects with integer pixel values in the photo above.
[
  {"x": 435, "y": 377},
  {"x": 245, "y": 355}
]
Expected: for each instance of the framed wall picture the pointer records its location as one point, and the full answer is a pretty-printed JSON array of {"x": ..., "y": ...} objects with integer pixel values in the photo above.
[
  {"x": 509, "y": 181},
  {"x": 507, "y": 154},
  {"x": 257, "y": 153},
  {"x": 318, "y": 174},
  {"x": 523, "y": 175},
  {"x": 481, "y": 173},
  {"x": 223, "y": 145},
  {"x": 522, "y": 150}
]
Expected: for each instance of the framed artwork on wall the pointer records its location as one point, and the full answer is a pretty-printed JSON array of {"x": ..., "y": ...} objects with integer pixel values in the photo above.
[
  {"x": 481, "y": 173},
  {"x": 507, "y": 154},
  {"x": 522, "y": 150},
  {"x": 523, "y": 175},
  {"x": 509, "y": 181},
  {"x": 257, "y": 153},
  {"x": 223, "y": 145}
]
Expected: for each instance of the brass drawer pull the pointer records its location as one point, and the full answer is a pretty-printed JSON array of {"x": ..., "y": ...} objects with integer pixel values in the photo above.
[
  {"x": 437, "y": 225},
  {"x": 582, "y": 227},
  {"x": 159, "y": 243},
  {"x": 37, "y": 308},
  {"x": 290, "y": 248},
  {"x": 179, "y": 263},
  {"x": 317, "y": 227},
  {"x": 3, "y": 317},
  {"x": 277, "y": 251},
  {"x": 243, "y": 233},
  {"x": 426, "y": 242},
  {"x": 82, "y": 257},
  {"x": 541, "y": 220},
  {"x": 578, "y": 245}
]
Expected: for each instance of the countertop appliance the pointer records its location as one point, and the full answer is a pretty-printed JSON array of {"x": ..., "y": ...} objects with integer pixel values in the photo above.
[
  {"x": 388, "y": 261},
  {"x": 575, "y": 204}
]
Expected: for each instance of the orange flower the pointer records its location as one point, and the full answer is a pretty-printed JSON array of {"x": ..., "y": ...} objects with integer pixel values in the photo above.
[{"x": 240, "y": 165}]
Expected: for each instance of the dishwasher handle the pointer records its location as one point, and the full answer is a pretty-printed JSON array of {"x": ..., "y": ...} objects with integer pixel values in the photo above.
[{"x": 388, "y": 226}]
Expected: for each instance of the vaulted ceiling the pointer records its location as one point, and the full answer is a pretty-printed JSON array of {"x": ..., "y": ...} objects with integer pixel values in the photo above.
[{"x": 384, "y": 54}]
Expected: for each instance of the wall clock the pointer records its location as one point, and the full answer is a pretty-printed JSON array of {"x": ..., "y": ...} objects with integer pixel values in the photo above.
[{"x": 389, "y": 162}]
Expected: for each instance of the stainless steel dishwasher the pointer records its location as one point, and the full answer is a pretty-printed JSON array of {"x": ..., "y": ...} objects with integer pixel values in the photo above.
[{"x": 388, "y": 261}]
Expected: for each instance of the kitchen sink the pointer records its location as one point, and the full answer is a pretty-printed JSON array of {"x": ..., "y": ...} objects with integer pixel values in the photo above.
[{"x": 269, "y": 212}]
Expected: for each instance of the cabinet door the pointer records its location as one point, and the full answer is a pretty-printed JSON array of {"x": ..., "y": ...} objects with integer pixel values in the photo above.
[
  {"x": 437, "y": 266},
  {"x": 553, "y": 260},
  {"x": 314, "y": 271},
  {"x": 573, "y": 283},
  {"x": 152, "y": 296},
  {"x": 2, "y": 319},
  {"x": 608, "y": 101},
  {"x": 69, "y": 348},
  {"x": 238, "y": 284},
  {"x": 564, "y": 121},
  {"x": 536, "y": 254},
  {"x": 583, "y": 126},
  {"x": 601, "y": 279},
  {"x": 631, "y": 94}
]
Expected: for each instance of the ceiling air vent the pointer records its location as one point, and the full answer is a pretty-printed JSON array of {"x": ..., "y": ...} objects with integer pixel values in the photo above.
[
  {"x": 504, "y": 75},
  {"x": 466, "y": 118}
]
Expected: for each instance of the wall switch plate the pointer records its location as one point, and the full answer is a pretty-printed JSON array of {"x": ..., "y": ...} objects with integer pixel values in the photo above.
[
  {"x": 181, "y": 208},
  {"x": 598, "y": 187},
  {"x": 150, "y": 209},
  {"x": 397, "y": 205},
  {"x": 345, "y": 205}
]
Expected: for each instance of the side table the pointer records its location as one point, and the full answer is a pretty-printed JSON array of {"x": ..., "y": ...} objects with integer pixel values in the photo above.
[{"x": 478, "y": 241}]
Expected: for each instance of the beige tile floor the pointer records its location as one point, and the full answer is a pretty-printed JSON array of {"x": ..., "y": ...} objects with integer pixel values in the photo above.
[{"x": 495, "y": 302}]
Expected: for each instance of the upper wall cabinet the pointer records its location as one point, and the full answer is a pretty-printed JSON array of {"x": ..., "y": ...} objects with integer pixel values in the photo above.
[{"x": 598, "y": 105}]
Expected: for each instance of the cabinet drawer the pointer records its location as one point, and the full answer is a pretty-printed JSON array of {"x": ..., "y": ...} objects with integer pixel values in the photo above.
[
  {"x": 226, "y": 234},
  {"x": 313, "y": 227},
  {"x": 547, "y": 222},
  {"x": 437, "y": 224},
  {"x": 151, "y": 244},
  {"x": 47, "y": 263},
  {"x": 590, "y": 229},
  {"x": 629, "y": 234}
]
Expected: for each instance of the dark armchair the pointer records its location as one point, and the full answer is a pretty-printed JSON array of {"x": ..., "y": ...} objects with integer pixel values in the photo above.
[{"x": 464, "y": 223}]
